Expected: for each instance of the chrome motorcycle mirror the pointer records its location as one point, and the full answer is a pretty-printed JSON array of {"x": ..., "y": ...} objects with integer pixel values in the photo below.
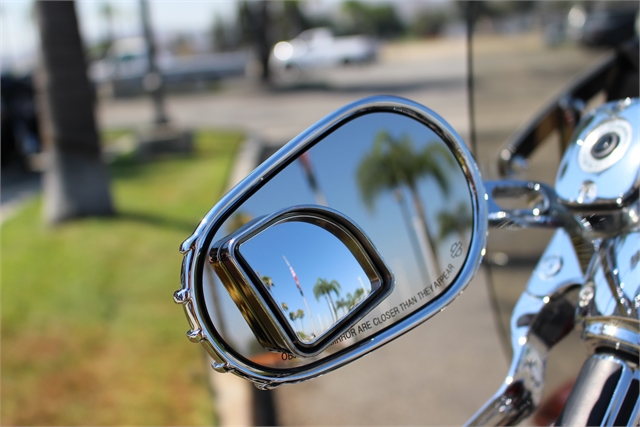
[{"x": 361, "y": 228}]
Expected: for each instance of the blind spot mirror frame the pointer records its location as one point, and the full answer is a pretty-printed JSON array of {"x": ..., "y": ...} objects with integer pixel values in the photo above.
[{"x": 253, "y": 294}]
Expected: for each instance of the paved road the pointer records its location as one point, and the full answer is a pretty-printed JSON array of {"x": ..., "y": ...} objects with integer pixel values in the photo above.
[
  {"x": 279, "y": 115},
  {"x": 444, "y": 370}
]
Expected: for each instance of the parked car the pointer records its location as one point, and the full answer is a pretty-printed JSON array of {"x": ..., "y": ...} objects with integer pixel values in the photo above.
[
  {"x": 602, "y": 23},
  {"x": 319, "y": 48},
  {"x": 123, "y": 69},
  {"x": 20, "y": 134}
]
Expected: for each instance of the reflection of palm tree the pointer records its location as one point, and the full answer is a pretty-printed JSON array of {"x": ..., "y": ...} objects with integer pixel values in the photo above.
[
  {"x": 293, "y": 317},
  {"x": 457, "y": 222},
  {"x": 349, "y": 301},
  {"x": 300, "y": 315},
  {"x": 342, "y": 305},
  {"x": 357, "y": 297},
  {"x": 393, "y": 163},
  {"x": 237, "y": 220},
  {"x": 268, "y": 282},
  {"x": 324, "y": 288}
]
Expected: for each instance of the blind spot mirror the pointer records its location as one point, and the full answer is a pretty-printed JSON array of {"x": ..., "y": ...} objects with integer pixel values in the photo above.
[
  {"x": 358, "y": 230},
  {"x": 301, "y": 277}
]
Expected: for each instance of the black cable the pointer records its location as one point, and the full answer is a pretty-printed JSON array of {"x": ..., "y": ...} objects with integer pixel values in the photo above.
[{"x": 503, "y": 332}]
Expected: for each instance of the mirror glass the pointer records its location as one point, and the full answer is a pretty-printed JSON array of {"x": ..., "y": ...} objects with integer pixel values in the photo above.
[
  {"x": 310, "y": 276},
  {"x": 400, "y": 183}
]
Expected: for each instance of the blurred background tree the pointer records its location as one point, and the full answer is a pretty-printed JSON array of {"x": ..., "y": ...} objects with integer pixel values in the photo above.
[
  {"x": 255, "y": 28},
  {"x": 380, "y": 20},
  {"x": 75, "y": 179}
]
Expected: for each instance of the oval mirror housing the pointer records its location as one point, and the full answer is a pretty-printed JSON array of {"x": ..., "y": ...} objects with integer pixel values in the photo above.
[{"x": 358, "y": 230}]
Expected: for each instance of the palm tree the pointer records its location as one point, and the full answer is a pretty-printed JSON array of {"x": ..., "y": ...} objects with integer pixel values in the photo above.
[
  {"x": 76, "y": 182},
  {"x": 107, "y": 12},
  {"x": 324, "y": 288},
  {"x": 157, "y": 92},
  {"x": 394, "y": 164}
]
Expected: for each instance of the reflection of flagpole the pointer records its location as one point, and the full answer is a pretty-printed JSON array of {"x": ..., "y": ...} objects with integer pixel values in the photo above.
[
  {"x": 362, "y": 286},
  {"x": 305, "y": 161},
  {"x": 295, "y": 278}
]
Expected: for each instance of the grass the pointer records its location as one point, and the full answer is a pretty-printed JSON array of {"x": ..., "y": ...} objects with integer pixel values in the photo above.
[{"x": 90, "y": 333}]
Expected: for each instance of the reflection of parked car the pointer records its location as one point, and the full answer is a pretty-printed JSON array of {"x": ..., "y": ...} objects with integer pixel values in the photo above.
[
  {"x": 319, "y": 48},
  {"x": 126, "y": 64},
  {"x": 19, "y": 128}
]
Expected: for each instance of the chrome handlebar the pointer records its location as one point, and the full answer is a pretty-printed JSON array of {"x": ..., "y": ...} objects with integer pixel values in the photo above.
[
  {"x": 596, "y": 208},
  {"x": 542, "y": 305}
]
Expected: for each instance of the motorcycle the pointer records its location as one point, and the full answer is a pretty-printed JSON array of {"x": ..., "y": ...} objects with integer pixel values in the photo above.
[{"x": 375, "y": 219}]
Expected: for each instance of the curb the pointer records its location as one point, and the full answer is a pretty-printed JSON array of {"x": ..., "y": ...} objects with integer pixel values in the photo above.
[{"x": 237, "y": 402}]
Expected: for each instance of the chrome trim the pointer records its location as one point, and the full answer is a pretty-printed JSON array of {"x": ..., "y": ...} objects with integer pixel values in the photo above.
[
  {"x": 542, "y": 304},
  {"x": 618, "y": 396},
  {"x": 585, "y": 182},
  {"x": 195, "y": 248},
  {"x": 617, "y": 333},
  {"x": 600, "y": 393},
  {"x": 546, "y": 213},
  {"x": 609, "y": 300}
]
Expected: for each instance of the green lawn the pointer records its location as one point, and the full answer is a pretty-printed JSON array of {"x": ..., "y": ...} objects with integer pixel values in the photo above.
[{"x": 90, "y": 333}]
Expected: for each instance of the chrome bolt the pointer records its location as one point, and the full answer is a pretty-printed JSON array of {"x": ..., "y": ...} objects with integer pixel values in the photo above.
[
  {"x": 550, "y": 266},
  {"x": 586, "y": 295}
]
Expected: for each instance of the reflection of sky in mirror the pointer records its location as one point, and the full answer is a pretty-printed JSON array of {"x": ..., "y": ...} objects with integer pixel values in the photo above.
[
  {"x": 335, "y": 162},
  {"x": 310, "y": 253},
  {"x": 392, "y": 224}
]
